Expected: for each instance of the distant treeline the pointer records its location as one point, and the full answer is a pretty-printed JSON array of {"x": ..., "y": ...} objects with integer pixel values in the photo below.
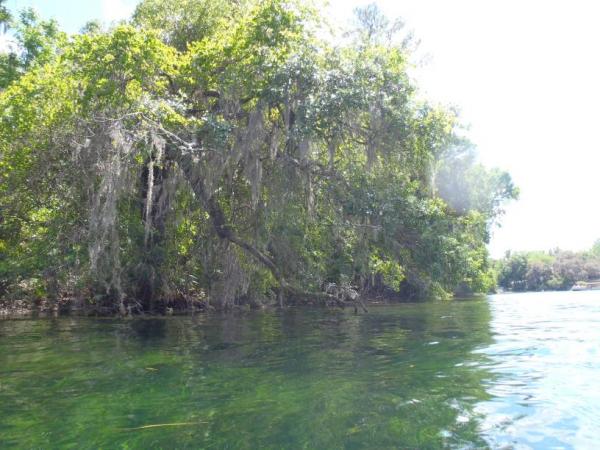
[{"x": 553, "y": 270}]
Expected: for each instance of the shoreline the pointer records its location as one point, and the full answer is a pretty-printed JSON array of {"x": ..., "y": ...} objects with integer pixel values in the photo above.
[{"x": 24, "y": 309}]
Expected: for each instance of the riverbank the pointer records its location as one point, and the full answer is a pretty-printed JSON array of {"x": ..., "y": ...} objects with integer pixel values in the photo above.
[{"x": 77, "y": 307}]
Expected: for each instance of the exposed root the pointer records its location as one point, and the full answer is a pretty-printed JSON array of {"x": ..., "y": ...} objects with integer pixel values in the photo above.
[{"x": 346, "y": 293}]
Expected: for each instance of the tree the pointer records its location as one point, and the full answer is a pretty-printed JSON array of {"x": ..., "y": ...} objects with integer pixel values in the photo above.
[
  {"x": 595, "y": 251},
  {"x": 4, "y": 15},
  {"x": 513, "y": 274},
  {"x": 38, "y": 42},
  {"x": 230, "y": 159},
  {"x": 183, "y": 22},
  {"x": 538, "y": 276},
  {"x": 553, "y": 270}
]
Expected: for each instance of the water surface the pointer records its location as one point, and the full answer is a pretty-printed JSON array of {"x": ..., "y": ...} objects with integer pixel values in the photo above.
[{"x": 508, "y": 371}]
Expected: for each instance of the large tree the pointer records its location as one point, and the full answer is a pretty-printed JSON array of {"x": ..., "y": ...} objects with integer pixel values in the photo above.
[{"x": 231, "y": 157}]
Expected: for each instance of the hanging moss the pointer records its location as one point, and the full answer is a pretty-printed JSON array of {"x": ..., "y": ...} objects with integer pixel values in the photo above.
[{"x": 254, "y": 161}]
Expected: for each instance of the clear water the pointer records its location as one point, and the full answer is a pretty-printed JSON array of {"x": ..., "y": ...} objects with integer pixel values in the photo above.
[{"x": 509, "y": 371}]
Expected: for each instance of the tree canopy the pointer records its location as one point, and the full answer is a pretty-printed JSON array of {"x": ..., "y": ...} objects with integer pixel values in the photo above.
[
  {"x": 222, "y": 153},
  {"x": 553, "y": 270}
]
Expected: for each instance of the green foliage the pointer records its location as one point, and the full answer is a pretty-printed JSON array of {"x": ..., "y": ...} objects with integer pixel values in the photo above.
[
  {"x": 38, "y": 42},
  {"x": 466, "y": 185},
  {"x": 4, "y": 15},
  {"x": 230, "y": 157},
  {"x": 596, "y": 249},
  {"x": 182, "y": 22},
  {"x": 554, "y": 270}
]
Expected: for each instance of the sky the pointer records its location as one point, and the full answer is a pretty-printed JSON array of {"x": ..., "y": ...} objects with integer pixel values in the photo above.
[{"x": 525, "y": 76}]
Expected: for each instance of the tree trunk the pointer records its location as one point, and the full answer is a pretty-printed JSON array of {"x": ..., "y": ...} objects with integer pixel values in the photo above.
[
  {"x": 153, "y": 179},
  {"x": 221, "y": 226}
]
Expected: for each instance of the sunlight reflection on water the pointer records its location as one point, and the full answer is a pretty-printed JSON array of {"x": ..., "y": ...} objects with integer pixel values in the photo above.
[{"x": 545, "y": 355}]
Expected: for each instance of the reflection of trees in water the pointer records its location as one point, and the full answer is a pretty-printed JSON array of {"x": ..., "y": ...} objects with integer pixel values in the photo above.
[
  {"x": 149, "y": 329},
  {"x": 427, "y": 380},
  {"x": 402, "y": 376},
  {"x": 398, "y": 376}
]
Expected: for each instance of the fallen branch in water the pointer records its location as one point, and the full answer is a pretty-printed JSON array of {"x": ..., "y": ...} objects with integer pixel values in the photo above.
[{"x": 160, "y": 425}]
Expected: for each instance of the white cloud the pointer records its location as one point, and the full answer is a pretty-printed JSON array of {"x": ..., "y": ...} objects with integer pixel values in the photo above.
[{"x": 115, "y": 10}]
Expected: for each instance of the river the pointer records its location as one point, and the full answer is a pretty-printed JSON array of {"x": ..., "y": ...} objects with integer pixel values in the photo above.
[{"x": 506, "y": 371}]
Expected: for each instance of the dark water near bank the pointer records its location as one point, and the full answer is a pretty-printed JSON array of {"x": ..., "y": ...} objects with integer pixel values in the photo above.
[{"x": 514, "y": 371}]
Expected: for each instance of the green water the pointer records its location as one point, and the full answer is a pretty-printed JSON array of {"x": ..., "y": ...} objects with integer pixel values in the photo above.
[{"x": 507, "y": 371}]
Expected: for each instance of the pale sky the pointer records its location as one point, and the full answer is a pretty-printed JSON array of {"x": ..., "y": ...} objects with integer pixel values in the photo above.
[{"x": 525, "y": 75}]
